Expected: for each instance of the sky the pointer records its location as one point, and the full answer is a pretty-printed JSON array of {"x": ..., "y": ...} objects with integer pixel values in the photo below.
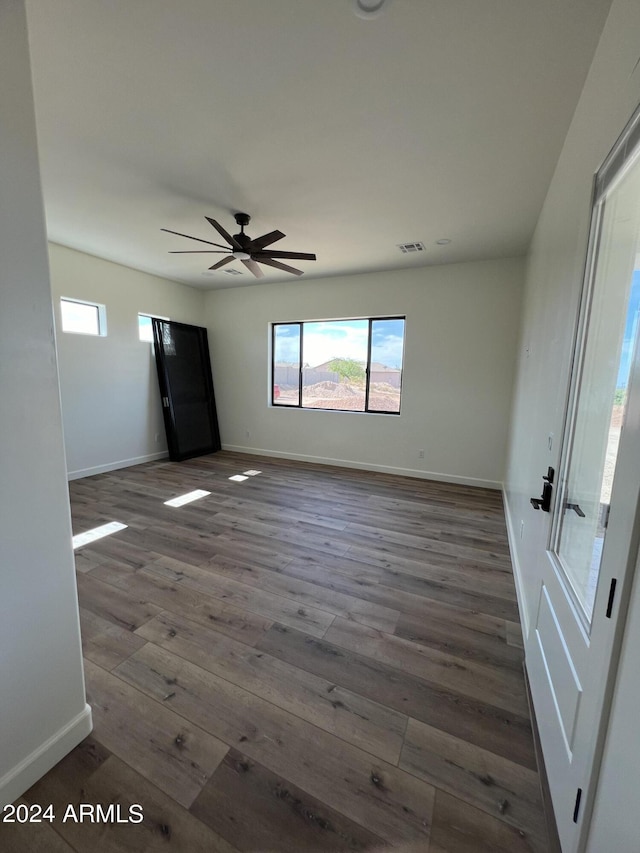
[
  {"x": 630, "y": 331},
  {"x": 327, "y": 339}
]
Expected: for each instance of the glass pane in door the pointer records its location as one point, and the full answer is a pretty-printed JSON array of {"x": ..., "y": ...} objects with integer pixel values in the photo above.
[{"x": 609, "y": 345}]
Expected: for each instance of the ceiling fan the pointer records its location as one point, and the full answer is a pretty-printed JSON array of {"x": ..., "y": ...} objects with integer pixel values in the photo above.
[{"x": 243, "y": 248}]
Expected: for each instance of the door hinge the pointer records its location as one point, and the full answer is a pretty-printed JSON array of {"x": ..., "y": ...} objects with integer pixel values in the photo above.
[
  {"x": 612, "y": 595},
  {"x": 576, "y": 808}
]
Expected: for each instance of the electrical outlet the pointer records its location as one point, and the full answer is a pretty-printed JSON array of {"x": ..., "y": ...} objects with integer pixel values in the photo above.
[
  {"x": 247, "y": 434},
  {"x": 421, "y": 454},
  {"x": 157, "y": 438}
]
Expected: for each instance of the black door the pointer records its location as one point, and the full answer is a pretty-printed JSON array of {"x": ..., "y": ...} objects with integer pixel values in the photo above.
[{"x": 186, "y": 389}]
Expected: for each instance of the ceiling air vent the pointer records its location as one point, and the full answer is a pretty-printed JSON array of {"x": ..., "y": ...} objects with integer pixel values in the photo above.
[
  {"x": 232, "y": 272},
  {"x": 408, "y": 248}
]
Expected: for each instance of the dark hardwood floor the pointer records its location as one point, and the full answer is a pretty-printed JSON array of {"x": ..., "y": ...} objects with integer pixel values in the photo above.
[{"x": 313, "y": 659}]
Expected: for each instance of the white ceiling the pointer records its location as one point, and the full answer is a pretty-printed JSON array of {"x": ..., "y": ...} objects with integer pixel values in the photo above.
[{"x": 438, "y": 119}]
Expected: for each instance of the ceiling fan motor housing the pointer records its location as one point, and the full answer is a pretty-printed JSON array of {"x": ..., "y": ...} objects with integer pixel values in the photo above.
[{"x": 242, "y": 239}]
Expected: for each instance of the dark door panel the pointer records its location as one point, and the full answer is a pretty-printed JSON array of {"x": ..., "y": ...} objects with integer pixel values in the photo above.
[{"x": 186, "y": 388}]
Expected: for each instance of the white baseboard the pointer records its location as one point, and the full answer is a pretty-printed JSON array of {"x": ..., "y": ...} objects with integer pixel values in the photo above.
[
  {"x": 368, "y": 466},
  {"x": 515, "y": 562},
  {"x": 20, "y": 778},
  {"x": 113, "y": 466}
]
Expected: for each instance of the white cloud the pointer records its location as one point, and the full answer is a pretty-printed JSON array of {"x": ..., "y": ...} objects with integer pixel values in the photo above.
[
  {"x": 388, "y": 351},
  {"x": 324, "y": 341}
]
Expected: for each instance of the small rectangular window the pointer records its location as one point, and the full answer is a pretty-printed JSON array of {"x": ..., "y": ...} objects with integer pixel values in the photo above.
[
  {"x": 145, "y": 329},
  {"x": 344, "y": 365},
  {"x": 83, "y": 318}
]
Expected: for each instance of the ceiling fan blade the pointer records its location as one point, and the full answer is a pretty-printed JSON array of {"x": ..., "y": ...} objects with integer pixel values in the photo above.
[
  {"x": 280, "y": 266},
  {"x": 224, "y": 233},
  {"x": 265, "y": 240},
  {"x": 208, "y": 242},
  {"x": 201, "y": 252},
  {"x": 301, "y": 256},
  {"x": 222, "y": 262},
  {"x": 253, "y": 267}
]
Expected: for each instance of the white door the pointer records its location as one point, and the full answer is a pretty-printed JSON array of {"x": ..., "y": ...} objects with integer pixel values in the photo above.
[{"x": 593, "y": 535}]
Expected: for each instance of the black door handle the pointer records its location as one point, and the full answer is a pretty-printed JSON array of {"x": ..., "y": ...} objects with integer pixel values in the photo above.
[
  {"x": 576, "y": 508},
  {"x": 544, "y": 502}
]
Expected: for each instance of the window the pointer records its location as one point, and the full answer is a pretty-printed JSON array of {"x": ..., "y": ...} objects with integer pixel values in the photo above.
[
  {"x": 83, "y": 318},
  {"x": 344, "y": 365},
  {"x": 145, "y": 329}
]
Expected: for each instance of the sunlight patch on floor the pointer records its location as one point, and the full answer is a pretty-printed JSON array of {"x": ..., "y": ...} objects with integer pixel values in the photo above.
[
  {"x": 82, "y": 539},
  {"x": 187, "y": 498}
]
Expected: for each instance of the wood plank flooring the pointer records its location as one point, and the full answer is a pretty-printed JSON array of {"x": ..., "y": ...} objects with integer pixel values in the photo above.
[{"x": 313, "y": 659}]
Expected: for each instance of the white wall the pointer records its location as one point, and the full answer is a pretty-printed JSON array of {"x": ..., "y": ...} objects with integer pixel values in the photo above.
[
  {"x": 43, "y": 713},
  {"x": 554, "y": 277},
  {"x": 460, "y": 346},
  {"x": 110, "y": 400}
]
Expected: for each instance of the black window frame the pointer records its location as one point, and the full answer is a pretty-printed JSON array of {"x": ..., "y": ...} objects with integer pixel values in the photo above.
[{"x": 301, "y": 324}]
